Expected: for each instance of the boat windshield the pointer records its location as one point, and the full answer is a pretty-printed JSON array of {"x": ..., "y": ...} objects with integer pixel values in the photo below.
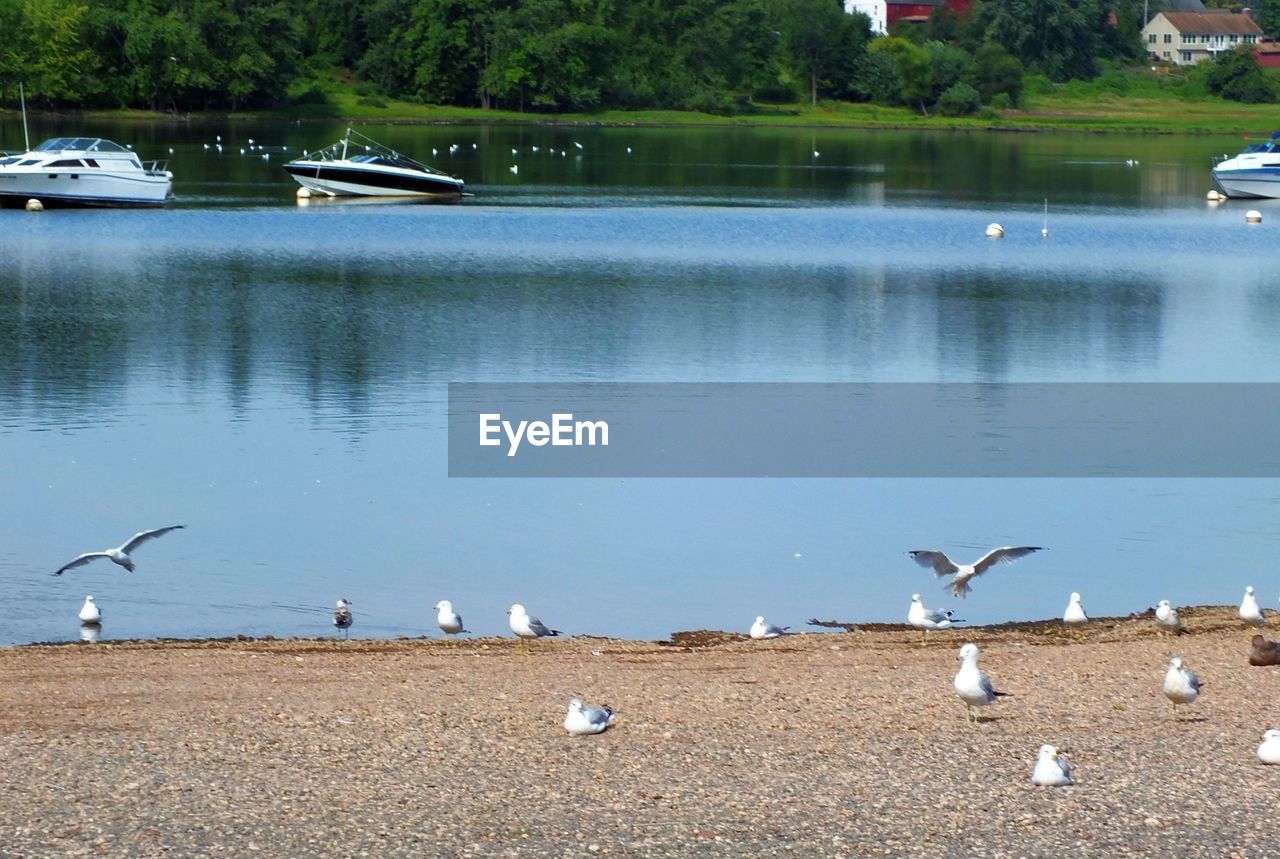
[
  {"x": 392, "y": 161},
  {"x": 79, "y": 144}
]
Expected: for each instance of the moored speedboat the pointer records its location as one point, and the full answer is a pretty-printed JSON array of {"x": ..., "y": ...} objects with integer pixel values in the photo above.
[
  {"x": 1255, "y": 172},
  {"x": 369, "y": 169},
  {"x": 83, "y": 171}
]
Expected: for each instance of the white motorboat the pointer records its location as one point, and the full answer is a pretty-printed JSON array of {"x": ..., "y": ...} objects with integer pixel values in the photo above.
[
  {"x": 1255, "y": 172},
  {"x": 366, "y": 168},
  {"x": 83, "y": 171}
]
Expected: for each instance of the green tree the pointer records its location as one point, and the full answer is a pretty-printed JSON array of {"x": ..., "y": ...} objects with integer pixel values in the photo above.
[
  {"x": 1235, "y": 75},
  {"x": 1062, "y": 38},
  {"x": 46, "y": 50},
  {"x": 913, "y": 67},
  {"x": 959, "y": 100},
  {"x": 950, "y": 66},
  {"x": 996, "y": 71},
  {"x": 1267, "y": 14},
  {"x": 819, "y": 36}
]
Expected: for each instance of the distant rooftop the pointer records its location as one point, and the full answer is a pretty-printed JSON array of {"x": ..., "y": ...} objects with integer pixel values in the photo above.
[{"x": 1213, "y": 22}]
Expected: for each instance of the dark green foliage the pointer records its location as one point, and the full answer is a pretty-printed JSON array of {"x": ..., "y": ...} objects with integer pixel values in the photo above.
[
  {"x": 1062, "y": 38},
  {"x": 1267, "y": 14},
  {"x": 950, "y": 66},
  {"x": 1235, "y": 75},
  {"x": 995, "y": 71},
  {"x": 959, "y": 100},
  {"x": 719, "y": 56},
  {"x": 913, "y": 66}
]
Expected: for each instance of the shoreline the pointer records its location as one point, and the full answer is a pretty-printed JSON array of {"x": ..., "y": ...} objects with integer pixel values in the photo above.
[
  {"x": 1058, "y": 118},
  {"x": 1197, "y": 620},
  {"x": 841, "y": 744}
]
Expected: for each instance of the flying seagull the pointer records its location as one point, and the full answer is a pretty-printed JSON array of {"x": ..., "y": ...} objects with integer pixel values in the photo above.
[
  {"x": 944, "y": 566},
  {"x": 120, "y": 555}
]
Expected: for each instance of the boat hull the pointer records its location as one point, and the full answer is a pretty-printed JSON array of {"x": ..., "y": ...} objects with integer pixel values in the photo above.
[
  {"x": 82, "y": 188},
  {"x": 1248, "y": 183},
  {"x": 337, "y": 180}
]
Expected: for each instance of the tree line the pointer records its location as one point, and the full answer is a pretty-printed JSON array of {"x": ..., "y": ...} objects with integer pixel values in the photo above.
[{"x": 720, "y": 56}]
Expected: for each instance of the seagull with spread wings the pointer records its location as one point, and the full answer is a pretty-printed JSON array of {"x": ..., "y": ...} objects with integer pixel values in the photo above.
[
  {"x": 120, "y": 554},
  {"x": 944, "y": 566}
]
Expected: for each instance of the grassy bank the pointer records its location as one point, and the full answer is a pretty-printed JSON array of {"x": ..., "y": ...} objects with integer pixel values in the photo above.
[{"x": 1107, "y": 113}]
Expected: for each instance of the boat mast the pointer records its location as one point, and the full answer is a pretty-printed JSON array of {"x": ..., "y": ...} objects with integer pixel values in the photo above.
[
  {"x": 22, "y": 98},
  {"x": 345, "y": 141}
]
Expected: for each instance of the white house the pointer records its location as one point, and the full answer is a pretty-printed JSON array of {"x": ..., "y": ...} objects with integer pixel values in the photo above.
[
  {"x": 876, "y": 10},
  {"x": 1186, "y": 38}
]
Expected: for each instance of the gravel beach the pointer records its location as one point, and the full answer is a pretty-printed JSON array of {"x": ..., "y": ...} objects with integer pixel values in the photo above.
[{"x": 836, "y": 743}]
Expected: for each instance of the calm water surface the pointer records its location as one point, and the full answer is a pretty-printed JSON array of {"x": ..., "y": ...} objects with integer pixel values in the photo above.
[{"x": 274, "y": 376}]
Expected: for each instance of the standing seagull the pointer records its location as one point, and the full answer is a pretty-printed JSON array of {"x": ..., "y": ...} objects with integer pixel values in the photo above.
[
  {"x": 1167, "y": 617},
  {"x": 342, "y": 618},
  {"x": 120, "y": 555},
  {"x": 763, "y": 629},
  {"x": 90, "y": 614},
  {"x": 972, "y": 686},
  {"x": 1051, "y": 769},
  {"x": 944, "y": 566},
  {"x": 1181, "y": 685},
  {"x": 582, "y": 720},
  {"x": 448, "y": 619},
  {"x": 1250, "y": 612},
  {"x": 526, "y": 626},
  {"x": 925, "y": 619},
  {"x": 1075, "y": 612}
]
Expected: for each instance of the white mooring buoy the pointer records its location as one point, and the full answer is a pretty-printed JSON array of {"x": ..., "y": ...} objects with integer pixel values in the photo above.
[
  {"x": 34, "y": 205},
  {"x": 1213, "y": 196},
  {"x": 1253, "y": 216},
  {"x": 995, "y": 231},
  {"x": 303, "y": 194}
]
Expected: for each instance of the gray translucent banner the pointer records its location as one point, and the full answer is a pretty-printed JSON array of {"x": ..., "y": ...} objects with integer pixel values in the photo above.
[{"x": 863, "y": 430}]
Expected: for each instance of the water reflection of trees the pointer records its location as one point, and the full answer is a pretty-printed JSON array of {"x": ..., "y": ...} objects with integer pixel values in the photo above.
[{"x": 341, "y": 334}]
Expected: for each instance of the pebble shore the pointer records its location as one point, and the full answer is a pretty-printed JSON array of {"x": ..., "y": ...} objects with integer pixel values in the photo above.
[{"x": 820, "y": 744}]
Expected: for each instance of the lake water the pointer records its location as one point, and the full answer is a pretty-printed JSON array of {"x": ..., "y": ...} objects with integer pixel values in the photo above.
[{"x": 274, "y": 376}]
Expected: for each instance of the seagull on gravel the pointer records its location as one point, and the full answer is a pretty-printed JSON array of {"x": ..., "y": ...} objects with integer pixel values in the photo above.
[
  {"x": 582, "y": 720},
  {"x": 526, "y": 626},
  {"x": 1075, "y": 612},
  {"x": 1181, "y": 685},
  {"x": 944, "y": 566},
  {"x": 1051, "y": 769},
  {"x": 763, "y": 629},
  {"x": 1250, "y": 612},
  {"x": 972, "y": 686},
  {"x": 342, "y": 618},
  {"x": 120, "y": 555},
  {"x": 1167, "y": 617},
  {"x": 925, "y": 619},
  {"x": 448, "y": 619}
]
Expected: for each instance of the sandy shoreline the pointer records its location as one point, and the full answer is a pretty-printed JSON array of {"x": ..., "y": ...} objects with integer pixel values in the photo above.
[{"x": 829, "y": 744}]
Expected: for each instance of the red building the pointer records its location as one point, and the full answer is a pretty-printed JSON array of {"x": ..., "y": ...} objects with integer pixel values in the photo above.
[
  {"x": 918, "y": 11},
  {"x": 1267, "y": 53}
]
